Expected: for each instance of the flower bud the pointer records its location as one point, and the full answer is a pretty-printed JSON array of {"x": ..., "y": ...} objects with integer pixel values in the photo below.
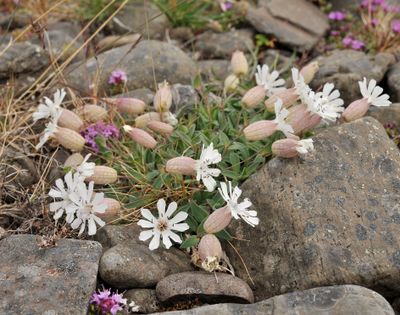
[
  {"x": 103, "y": 175},
  {"x": 112, "y": 211},
  {"x": 73, "y": 160},
  {"x": 94, "y": 113},
  {"x": 142, "y": 120},
  {"x": 301, "y": 119},
  {"x": 70, "y": 120},
  {"x": 308, "y": 71},
  {"x": 141, "y": 137},
  {"x": 181, "y": 165},
  {"x": 218, "y": 220},
  {"x": 239, "y": 63},
  {"x": 69, "y": 139},
  {"x": 260, "y": 130},
  {"x": 209, "y": 247},
  {"x": 160, "y": 127},
  {"x": 285, "y": 148},
  {"x": 128, "y": 105},
  {"x": 356, "y": 109},
  {"x": 163, "y": 98},
  {"x": 231, "y": 83},
  {"x": 254, "y": 96},
  {"x": 288, "y": 97}
]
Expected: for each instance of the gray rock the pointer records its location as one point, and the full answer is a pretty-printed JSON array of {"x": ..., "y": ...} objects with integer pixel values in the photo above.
[
  {"x": 146, "y": 299},
  {"x": 345, "y": 68},
  {"x": 331, "y": 217},
  {"x": 297, "y": 24},
  {"x": 170, "y": 63},
  {"x": 145, "y": 94},
  {"x": 55, "y": 280},
  {"x": 214, "y": 68},
  {"x": 386, "y": 115},
  {"x": 279, "y": 59},
  {"x": 393, "y": 79},
  {"x": 112, "y": 235},
  {"x": 222, "y": 45},
  {"x": 184, "y": 97},
  {"x": 3, "y": 233},
  {"x": 140, "y": 17},
  {"x": 335, "y": 300},
  {"x": 204, "y": 286},
  {"x": 132, "y": 265},
  {"x": 22, "y": 57}
]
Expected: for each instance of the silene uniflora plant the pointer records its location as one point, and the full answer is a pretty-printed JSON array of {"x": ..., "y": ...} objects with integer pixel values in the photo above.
[{"x": 178, "y": 174}]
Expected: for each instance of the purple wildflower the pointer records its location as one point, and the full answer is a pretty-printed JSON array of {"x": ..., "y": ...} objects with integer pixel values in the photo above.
[
  {"x": 357, "y": 44},
  {"x": 117, "y": 77},
  {"x": 375, "y": 22},
  {"x": 107, "y": 302},
  {"x": 335, "y": 33},
  {"x": 396, "y": 26},
  {"x": 337, "y": 16},
  {"x": 99, "y": 129},
  {"x": 226, "y": 5},
  {"x": 347, "y": 41}
]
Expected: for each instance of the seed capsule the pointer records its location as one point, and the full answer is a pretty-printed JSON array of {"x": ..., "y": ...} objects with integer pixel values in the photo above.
[
  {"x": 163, "y": 98},
  {"x": 112, "y": 211},
  {"x": 301, "y": 119},
  {"x": 103, "y": 175},
  {"x": 94, "y": 113},
  {"x": 181, "y": 165},
  {"x": 356, "y": 110},
  {"x": 254, "y": 96},
  {"x": 218, "y": 220},
  {"x": 160, "y": 127},
  {"x": 209, "y": 247},
  {"x": 260, "y": 130},
  {"x": 141, "y": 137},
  {"x": 231, "y": 83},
  {"x": 70, "y": 120},
  {"x": 128, "y": 105},
  {"x": 285, "y": 148},
  {"x": 239, "y": 63},
  {"x": 73, "y": 160},
  {"x": 308, "y": 71},
  {"x": 69, "y": 139},
  {"x": 142, "y": 120},
  {"x": 288, "y": 97}
]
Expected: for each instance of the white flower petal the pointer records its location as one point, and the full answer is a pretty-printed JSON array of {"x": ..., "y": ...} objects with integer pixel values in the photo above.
[
  {"x": 155, "y": 242},
  {"x": 145, "y": 235}
]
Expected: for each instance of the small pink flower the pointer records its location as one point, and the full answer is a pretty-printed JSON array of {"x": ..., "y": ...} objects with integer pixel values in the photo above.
[
  {"x": 117, "y": 77},
  {"x": 347, "y": 41},
  {"x": 357, "y": 44},
  {"x": 337, "y": 16},
  {"x": 396, "y": 26}
]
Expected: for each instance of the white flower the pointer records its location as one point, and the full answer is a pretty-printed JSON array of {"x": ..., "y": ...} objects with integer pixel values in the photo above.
[
  {"x": 281, "y": 114},
  {"x": 270, "y": 81},
  {"x": 89, "y": 203},
  {"x": 304, "y": 146},
  {"x": 86, "y": 169},
  {"x": 208, "y": 156},
  {"x": 60, "y": 191},
  {"x": 302, "y": 89},
  {"x": 327, "y": 104},
  {"x": 48, "y": 132},
  {"x": 49, "y": 109},
  {"x": 238, "y": 209},
  {"x": 133, "y": 307},
  {"x": 373, "y": 92},
  {"x": 162, "y": 226}
]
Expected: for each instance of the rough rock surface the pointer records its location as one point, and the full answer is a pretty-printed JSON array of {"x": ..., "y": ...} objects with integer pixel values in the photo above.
[
  {"x": 146, "y": 299},
  {"x": 140, "y": 17},
  {"x": 183, "y": 97},
  {"x": 345, "y": 68},
  {"x": 21, "y": 58},
  {"x": 332, "y": 217},
  {"x": 205, "y": 286},
  {"x": 222, "y": 45},
  {"x": 335, "y": 300},
  {"x": 385, "y": 115},
  {"x": 170, "y": 63},
  {"x": 112, "y": 235},
  {"x": 214, "y": 68},
  {"x": 393, "y": 79},
  {"x": 297, "y": 24},
  {"x": 55, "y": 280},
  {"x": 133, "y": 265}
]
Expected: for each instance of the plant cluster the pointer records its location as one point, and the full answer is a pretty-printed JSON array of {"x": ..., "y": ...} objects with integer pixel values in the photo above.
[
  {"x": 373, "y": 26},
  {"x": 188, "y": 168}
]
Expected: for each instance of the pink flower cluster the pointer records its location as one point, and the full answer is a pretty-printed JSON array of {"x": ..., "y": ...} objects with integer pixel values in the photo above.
[
  {"x": 117, "y": 77},
  {"x": 373, "y": 5},
  {"x": 337, "y": 15},
  {"x": 99, "y": 129},
  {"x": 349, "y": 42},
  {"x": 107, "y": 302}
]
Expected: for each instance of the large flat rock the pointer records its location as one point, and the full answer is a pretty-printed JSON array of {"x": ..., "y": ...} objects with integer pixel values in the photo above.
[
  {"x": 335, "y": 300},
  {"x": 55, "y": 280},
  {"x": 332, "y": 217}
]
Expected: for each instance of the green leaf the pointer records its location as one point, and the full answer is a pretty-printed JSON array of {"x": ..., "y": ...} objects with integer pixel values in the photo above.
[
  {"x": 224, "y": 235},
  {"x": 190, "y": 242},
  {"x": 198, "y": 212}
]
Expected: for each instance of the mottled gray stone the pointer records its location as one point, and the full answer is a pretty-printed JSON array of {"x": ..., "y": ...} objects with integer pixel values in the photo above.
[
  {"x": 55, "y": 280},
  {"x": 385, "y": 115},
  {"x": 146, "y": 299},
  {"x": 335, "y": 300},
  {"x": 112, "y": 235},
  {"x": 140, "y": 17},
  {"x": 280, "y": 60},
  {"x": 223, "y": 45},
  {"x": 393, "y": 79},
  {"x": 214, "y": 68},
  {"x": 169, "y": 62},
  {"x": 144, "y": 94},
  {"x": 22, "y": 57},
  {"x": 331, "y": 217},
  {"x": 345, "y": 68},
  {"x": 204, "y": 286},
  {"x": 184, "y": 97},
  {"x": 133, "y": 265},
  {"x": 297, "y": 24}
]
